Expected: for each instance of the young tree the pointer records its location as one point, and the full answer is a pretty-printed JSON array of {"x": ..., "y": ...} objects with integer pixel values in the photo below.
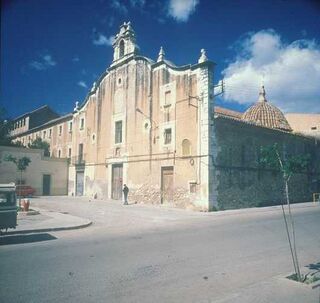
[
  {"x": 39, "y": 144},
  {"x": 21, "y": 164},
  {"x": 271, "y": 157}
]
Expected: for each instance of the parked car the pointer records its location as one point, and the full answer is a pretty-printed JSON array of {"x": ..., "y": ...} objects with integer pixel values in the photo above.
[
  {"x": 8, "y": 206},
  {"x": 25, "y": 190}
]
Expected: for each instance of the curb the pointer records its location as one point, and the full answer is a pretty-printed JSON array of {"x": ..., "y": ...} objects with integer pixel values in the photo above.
[
  {"x": 42, "y": 230},
  {"x": 264, "y": 209},
  {"x": 28, "y": 213}
]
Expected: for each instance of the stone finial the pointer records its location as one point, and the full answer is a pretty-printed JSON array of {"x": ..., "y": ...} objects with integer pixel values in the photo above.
[
  {"x": 94, "y": 85},
  {"x": 203, "y": 56},
  {"x": 129, "y": 28},
  {"x": 262, "y": 95},
  {"x": 76, "y": 107},
  {"x": 161, "y": 54}
]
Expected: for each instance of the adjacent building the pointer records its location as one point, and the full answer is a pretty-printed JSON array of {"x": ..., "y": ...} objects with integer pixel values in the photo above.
[
  {"x": 153, "y": 126},
  {"x": 305, "y": 124},
  {"x": 48, "y": 176}
]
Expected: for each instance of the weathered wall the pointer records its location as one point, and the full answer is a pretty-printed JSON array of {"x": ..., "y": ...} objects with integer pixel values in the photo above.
[
  {"x": 33, "y": 176},
  {"x": 147, "y": 151},
  {"x": 239, "y": 181}
]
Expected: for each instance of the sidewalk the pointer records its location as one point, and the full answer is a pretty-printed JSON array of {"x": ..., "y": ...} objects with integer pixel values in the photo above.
[{"x": 46, "y": 221}]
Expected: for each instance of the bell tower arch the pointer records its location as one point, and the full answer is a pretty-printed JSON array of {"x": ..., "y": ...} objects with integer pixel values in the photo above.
[{"x": 124, "y": 44}]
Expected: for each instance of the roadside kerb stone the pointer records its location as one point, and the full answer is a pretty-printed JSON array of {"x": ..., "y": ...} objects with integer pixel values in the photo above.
[{"x": 55, "y": 222}]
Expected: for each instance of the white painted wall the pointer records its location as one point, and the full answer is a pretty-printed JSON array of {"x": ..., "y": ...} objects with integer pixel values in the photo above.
[{"x": 33, "y": 176}]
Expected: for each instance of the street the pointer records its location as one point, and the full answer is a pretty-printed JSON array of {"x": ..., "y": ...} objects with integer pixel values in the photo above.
[{"x": 144, "y": 253}]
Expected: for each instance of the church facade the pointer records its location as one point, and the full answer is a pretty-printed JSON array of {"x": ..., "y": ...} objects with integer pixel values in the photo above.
[{"x": 153, "y": 126}]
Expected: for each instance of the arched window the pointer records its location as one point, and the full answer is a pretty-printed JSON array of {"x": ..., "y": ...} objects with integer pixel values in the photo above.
[
  {"x": 121, "y": 48},
  {"x": 186, "y": 147}
]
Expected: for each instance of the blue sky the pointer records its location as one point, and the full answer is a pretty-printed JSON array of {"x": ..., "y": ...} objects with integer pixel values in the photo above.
[{"x": 52, "y": 51}]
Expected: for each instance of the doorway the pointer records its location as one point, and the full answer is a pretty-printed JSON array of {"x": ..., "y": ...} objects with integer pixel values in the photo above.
[
  {"x": 117, "y": 181},
  {"x": 79, "y": 183},
  {"x": 46, "y": 184},
  {"x": 167, "y": 184}
]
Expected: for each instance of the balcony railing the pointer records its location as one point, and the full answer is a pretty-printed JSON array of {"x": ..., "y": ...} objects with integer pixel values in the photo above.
[{"x": 78, "y": 160}]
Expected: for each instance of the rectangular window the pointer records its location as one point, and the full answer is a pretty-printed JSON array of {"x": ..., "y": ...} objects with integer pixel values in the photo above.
[
  {"x": 118, "y": 132},
  {"x": 167, "y": 98},
  {"x": 44, "y": 134},
  {"x": 167, "y": 136},
  {"x": 69, "y": 152},
  {"x": 70, "y": 127},
  {"x": 167, "y": 115},
  {"x": 313, "y": 128},
  {"x": 82, "y": 123},
  {"x": 60, "y": 130},
  {"x": 50, "y": 132},
  {"x": 80, "y": 153},
  {"x": 59, "y": 153},
  {"x": 192, "y": 187}
]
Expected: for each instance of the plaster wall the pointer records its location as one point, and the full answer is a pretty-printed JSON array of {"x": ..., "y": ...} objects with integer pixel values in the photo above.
[
  {"x": 33, "y": 176},
  {"x": 308, "y": 124}
]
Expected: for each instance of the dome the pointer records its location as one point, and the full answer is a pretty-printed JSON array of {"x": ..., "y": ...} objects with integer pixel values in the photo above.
[{"x": 265, "y": 114}]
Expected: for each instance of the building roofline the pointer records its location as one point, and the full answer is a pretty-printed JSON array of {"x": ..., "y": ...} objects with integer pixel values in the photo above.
[
  {"x": 248, "y": 123},
  {"x": 34, "y": 111},
  {"x": 153, "y": 65},
  {"x": 223, "y": 111},
  {"x": 45, "y": 125}
]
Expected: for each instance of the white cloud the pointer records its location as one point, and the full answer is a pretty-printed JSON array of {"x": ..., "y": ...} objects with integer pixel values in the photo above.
[
  {"x": 48, "y": 60},
  {"x": 101, "y": 39},
  {"x": 37, "y": 65},
  {"x": 110, "y": 21},
  {"x": 75, "y": 59},
  {"x": 82, "y": 84},
  {"x": 122, "y": 6},
  {"x": 117, "y": 5},
  {"x": 182, "y": 9},
  {"x": 43, "y": 62},
  {"x": 137, "y": 3},
  {"x": 290, "y": 72}
]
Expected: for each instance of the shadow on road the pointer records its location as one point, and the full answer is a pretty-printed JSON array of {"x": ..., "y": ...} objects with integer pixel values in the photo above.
[
  {"x": 21, "y": 239},
  {"x": 314, "y": 266}
]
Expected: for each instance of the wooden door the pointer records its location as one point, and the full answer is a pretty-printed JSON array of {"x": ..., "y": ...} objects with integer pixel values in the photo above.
[
  {"x": 167, "y": 184},
  {"x": 79, "y": 183},
  {"x": 46, "y": 184},
  {"x": 117, "y": 181}
]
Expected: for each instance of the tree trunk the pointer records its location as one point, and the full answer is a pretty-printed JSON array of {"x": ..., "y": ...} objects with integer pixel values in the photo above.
[
  {"x": 295, "y": 257},
  {"x": 20, "y": 188}
]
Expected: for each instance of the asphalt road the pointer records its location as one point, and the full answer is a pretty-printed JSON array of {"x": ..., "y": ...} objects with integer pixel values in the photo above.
[{"x": 150, "y": 254}]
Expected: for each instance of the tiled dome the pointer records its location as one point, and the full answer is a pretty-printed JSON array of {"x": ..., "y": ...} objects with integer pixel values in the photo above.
[{"x": 265, "y": 114}]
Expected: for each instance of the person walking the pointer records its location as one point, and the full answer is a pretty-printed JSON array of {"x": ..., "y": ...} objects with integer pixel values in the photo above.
[{"x": 125, "y": 194}]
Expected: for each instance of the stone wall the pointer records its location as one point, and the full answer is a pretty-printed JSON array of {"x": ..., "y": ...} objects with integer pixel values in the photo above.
[
  {"x": 238, "y": 180},
  {"x": 150, "y": 194}
]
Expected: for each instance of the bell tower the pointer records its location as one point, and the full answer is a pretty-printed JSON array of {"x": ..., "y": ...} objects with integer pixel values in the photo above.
[{"x": 124, "y": 44}]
